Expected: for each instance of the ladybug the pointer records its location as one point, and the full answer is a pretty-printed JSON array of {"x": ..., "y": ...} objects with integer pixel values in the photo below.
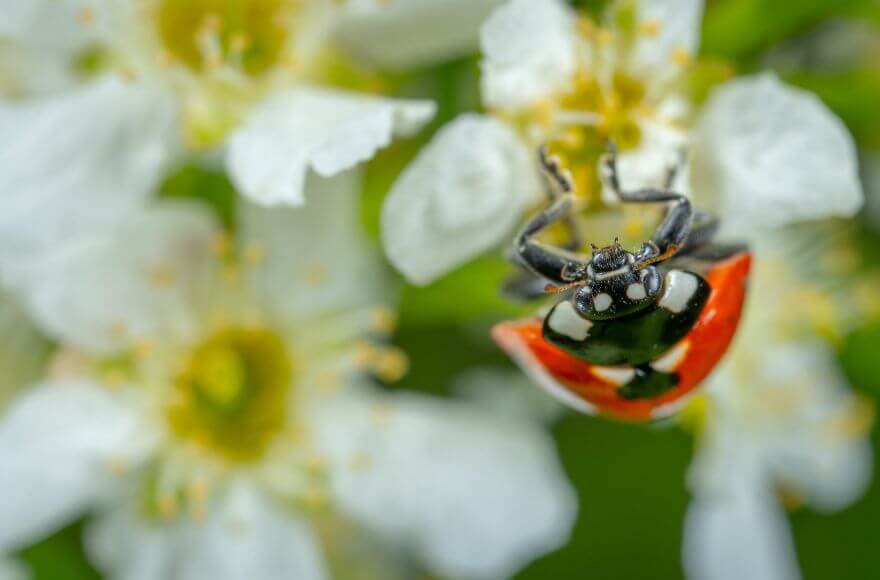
[{"x": 635, "y": 333}]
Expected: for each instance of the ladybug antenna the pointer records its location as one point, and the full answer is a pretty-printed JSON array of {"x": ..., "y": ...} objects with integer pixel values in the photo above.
[{"x": 553, "y": 289}]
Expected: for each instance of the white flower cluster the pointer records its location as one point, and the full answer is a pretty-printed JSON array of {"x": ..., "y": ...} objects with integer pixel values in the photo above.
[{"x": 203, "y": 396}]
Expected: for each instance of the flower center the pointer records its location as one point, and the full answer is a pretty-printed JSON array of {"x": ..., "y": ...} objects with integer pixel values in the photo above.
[
  {"x": 204, "y": 34},
  {"x": 230, "y": 396}
]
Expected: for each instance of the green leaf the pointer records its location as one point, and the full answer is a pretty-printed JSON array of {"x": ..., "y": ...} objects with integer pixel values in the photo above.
[
  {"x": 60, "y": 556},
  {"x": 743, "y": 29},
  {"x": 858, "y": 357},
  {"x": 207, "y": 185},
  {"x": 471, "y": 292},
  {"x": 853, "y": 95}
]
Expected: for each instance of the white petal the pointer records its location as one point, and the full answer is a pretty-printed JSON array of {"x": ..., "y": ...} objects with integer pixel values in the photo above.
[
  {"x": 317, "y": 258},
  {"x": 124, "y": 547},
  {"x": 738, "y": 534},
  {"x": 13, "y": 570},
  {"x": 461, "y": 196},
  {"x": 57, "y": 25},
  {"x": 326, "y": 131},
  {"x": 23, "y": 350},
  {"x": 528, "y": 52},
  {"x": 648, "y": 166},
  {"x": 508, "y": 393},
  {"x": 246, "y": 536},
  {"x": 409, "y": 33},
  {"x": 679, "y": 30},
  {"x": 774, "y": 155},
  {"x": 56, "y": 443},
  {"x": 77, "y": 160},
  {"x": 131, "y": 281},
  {"x": 820, "y": 448},
  {"x": 476, "y": 495}
]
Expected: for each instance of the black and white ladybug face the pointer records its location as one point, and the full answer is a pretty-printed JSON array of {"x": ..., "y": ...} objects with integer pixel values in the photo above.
[
  {"x": 616, "y": 286},
  {"x": 633, "y": 331}
]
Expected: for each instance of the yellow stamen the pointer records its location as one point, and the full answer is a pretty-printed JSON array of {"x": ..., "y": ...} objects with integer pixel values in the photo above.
[
  {"x": 682, "y": 57},
  {"x": 650, "y": 28}
]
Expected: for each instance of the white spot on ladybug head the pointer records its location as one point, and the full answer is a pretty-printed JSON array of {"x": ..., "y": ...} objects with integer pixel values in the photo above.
[
  {"x": 680, "y": 288},
  {"x": 566, "y": 321},
  {"x": 602, "y": 302},
  {"x": 617, "y": 376},
  {"x": 669, "y": 361},
  {"x": 635, "y": 291}
]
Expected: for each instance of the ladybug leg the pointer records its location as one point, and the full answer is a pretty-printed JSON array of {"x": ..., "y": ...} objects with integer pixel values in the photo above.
[
  {"x": 673, "y": 231},
  {"x": 703, "y": 229},
  {"x": 557, "y": 184},
  {"x": 560, "y": 266}
]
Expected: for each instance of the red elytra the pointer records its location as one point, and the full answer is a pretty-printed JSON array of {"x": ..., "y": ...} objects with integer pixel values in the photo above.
[{"x": 574, "y": 381}]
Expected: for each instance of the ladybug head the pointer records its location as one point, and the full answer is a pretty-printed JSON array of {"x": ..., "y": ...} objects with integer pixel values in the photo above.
[
  {"x": 610, "y": 258},
  {"x": 615, "y": 285}
]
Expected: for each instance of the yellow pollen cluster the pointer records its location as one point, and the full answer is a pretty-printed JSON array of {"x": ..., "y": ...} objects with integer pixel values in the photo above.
[
  {"x": 231, "y": 393},
  {"x": 205, "y": 34},
  {"x": 389, "y": 364}
]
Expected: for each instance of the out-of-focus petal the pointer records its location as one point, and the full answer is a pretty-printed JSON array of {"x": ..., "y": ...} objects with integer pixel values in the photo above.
[
  {"x": 56, "y": 445},
  {"x": 408, "y": 33},
  {"x": 13, "y": 570},
  {"x": 62, "y": 26},
  {"x": 773, "y": 154},
  {"x": 738, "y": 533},
  {"x": 316, "y": 258},
  {"x": 461, "y": 196},
  {"x": 23, "y": 350},
  {"x": 77, "y": 160},
  {"x": 326, "y": 131},
  {"x": 126, "y": 548},
  {"x": 647, "y": 166},
  {"x": 128, "y": 282},
  {"x": 528, "y": 52},
  {"x": 508, "y": 393},
  {"x": 818, "y": 449},
  {"x": 677, "y": 25},
  {"x": 475, "y": 495},
  {"x": 247, "y": 537}
]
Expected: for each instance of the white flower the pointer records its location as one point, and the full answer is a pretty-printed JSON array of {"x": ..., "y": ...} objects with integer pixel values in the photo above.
[
  {"x": 761, "y": 150},
  {"x": 23, "y": 349},
  {"x": 424, "y": 222},
  {"x": 210, "y": 404},
  {"x": 779, "y": 419},
  {"x": 12, "y": 570},
  {"x": 104, "y": 96},
  {"x": 406, "y": 33}
]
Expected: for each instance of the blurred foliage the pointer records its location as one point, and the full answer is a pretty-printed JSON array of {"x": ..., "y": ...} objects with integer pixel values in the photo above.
[
  {"x": 208, "y": 185},
  {"x": 743, "y": 29},
  {"x": 859, "y": 358}
]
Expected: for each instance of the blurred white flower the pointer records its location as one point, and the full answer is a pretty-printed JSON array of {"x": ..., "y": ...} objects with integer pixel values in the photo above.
[
  {"x": 12, "y": 570},
  {"x": 23, "y": 349},
  {"x": 103, "y": 96},
  {"x": 405, "y": 33},
  {"x": 210, "y": 404},
  {"x": 760, "y": 150},
  {"x": 778, "y": 421}
]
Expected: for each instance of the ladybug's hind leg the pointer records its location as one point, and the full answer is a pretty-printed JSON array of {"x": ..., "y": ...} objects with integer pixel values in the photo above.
[{"x": 704, "y": 226}]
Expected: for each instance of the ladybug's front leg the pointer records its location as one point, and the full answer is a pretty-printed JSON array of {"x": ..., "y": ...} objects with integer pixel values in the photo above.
[
  {"x": 673, "y": 231},
  {"x": 558, "y": 266}
]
